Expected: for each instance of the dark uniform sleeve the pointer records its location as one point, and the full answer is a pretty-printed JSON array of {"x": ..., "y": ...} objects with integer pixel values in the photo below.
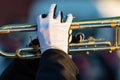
[
  {"x": 56, "y": 65},
  {"x": 53, "y": 65}
]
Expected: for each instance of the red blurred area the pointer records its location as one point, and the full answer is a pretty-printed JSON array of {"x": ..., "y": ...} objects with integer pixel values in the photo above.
[{"x": 13, "y": 11}]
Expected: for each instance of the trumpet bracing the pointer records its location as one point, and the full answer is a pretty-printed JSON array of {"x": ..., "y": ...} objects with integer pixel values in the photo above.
[{"x": 83, "y": 45}]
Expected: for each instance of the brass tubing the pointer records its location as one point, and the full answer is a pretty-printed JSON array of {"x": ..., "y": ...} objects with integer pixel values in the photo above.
[
  {"x": 95, "y": 49},
  {"x": 73, "y": 27},
  {"x": 19, "y": 54},
  {"x": 113, "y": 22},
  {"x": 107, "y": 43},
  {"x": 95, "y": 23},
  {"x": 116, "y": 36},
  {"x": 8, "y": 55}
]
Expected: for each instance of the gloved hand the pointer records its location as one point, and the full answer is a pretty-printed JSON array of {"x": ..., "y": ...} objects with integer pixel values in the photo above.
[{"x": 52, "y": 32}]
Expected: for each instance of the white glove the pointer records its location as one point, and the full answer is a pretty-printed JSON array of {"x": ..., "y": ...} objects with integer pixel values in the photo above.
[{"x": 52, "y": 33}]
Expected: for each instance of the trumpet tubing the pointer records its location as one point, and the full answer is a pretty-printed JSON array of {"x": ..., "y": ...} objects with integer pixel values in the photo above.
[
  {"x": 112, "y": 22},
  {"x": 83, "y": 45}
]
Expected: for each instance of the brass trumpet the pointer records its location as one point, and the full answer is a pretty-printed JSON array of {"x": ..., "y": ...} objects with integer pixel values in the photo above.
[{"x": 91, "y": 44}]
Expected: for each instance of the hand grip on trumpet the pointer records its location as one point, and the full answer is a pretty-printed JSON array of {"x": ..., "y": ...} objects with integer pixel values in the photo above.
[{"x": 23, "y": 53}]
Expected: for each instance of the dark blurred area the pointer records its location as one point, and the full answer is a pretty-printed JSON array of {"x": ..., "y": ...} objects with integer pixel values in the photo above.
[
  {"x": 96, "y": 66},
  {"x": 11, "y": 12}
]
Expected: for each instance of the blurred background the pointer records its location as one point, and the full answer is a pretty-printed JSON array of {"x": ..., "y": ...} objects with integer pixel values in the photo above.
[
  {"x": 101, "y": 66},
  {"x": 12, "y": 11}
]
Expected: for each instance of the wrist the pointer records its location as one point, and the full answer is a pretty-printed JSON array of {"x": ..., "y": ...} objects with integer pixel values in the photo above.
[{"x": 62, "y": 47}]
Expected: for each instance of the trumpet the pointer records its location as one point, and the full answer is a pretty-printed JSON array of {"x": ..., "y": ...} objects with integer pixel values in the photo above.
[{"x": 83, "y": 45}]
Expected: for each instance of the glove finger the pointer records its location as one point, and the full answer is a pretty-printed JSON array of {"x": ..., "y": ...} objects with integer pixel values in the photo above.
[
  {"x": 69, "y": 18},
  {"x": 70, "y": 36},
  {"x": 38, "y": 22},
  {"x": 60, "y": 16},
  {"x": 39, "y": 18},
  {"x": 52, "y": 11}
]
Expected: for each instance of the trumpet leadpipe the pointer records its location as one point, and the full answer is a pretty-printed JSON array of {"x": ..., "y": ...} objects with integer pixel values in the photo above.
[
  {"x": 86, "y": 24},
  {"x": 28, "y": 28},
  {"x": 17, "y": 28}
]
